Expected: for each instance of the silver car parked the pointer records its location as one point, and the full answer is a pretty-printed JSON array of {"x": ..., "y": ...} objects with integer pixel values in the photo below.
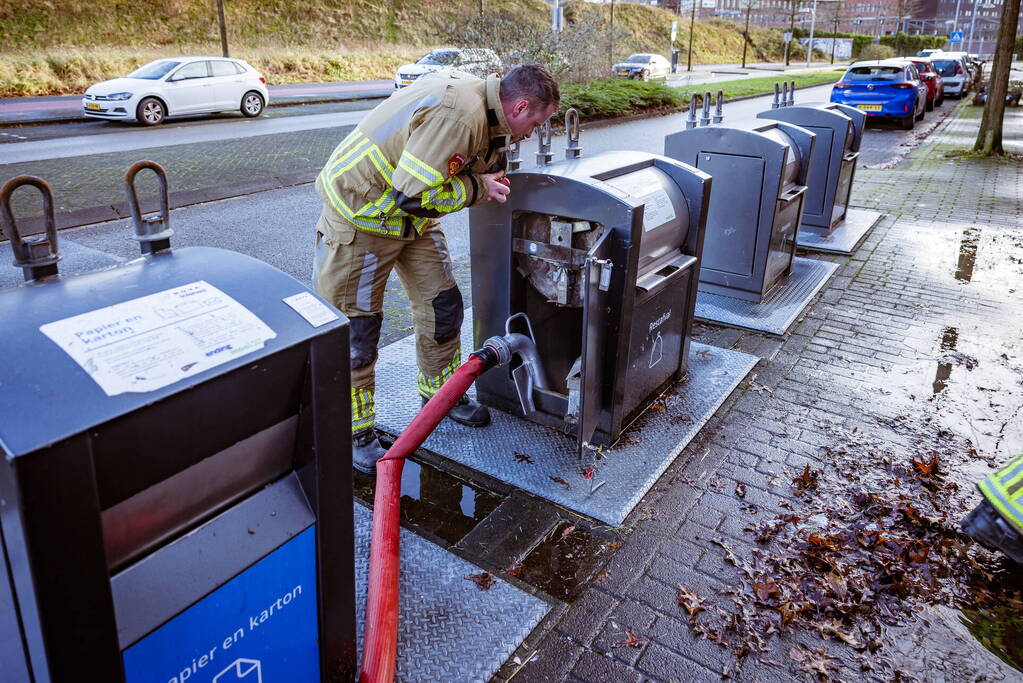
[{"x": 642, "y": 67}]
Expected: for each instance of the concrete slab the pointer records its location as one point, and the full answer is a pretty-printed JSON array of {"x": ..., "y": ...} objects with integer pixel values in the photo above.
[
  {"x": 844, "y": 239},
  {"x": 448, "y": 629},
  {"x": 779, "y": 309},
  {"x": 551, "y": 468}
]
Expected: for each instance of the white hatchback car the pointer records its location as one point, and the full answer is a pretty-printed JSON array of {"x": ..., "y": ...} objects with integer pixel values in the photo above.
[
  {"x": 179, "y": 85},
  {"x": 478, "y": 61}
]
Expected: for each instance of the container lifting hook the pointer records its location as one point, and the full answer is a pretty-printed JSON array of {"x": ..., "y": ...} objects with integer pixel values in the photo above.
[
  {"x": 719, "y": 106},
  {"x": 775, "y": 103},
  {"x": 543, "y": 153},
  {"x": 705, "y": 114},
  {"x": 785, "y": 93},
  {"x": 514, "y": 160},
  {"x": 792, "y": 94},
  {"x": 691, "y": 121},
  {"x": 573, "y": 150},
  {"x": 37, "y": 255},
  {"x": 152, "y": 232}
]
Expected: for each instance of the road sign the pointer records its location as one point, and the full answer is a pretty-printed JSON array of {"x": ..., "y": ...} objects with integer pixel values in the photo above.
[
  {"x": 709, "y": 4},
  {"x": 787, "y": 36},
  {"x": 956, "y": 37}
]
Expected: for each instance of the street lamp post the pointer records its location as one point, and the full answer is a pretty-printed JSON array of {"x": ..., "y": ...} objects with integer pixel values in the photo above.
[
  {"x": 223, "y": 27},
  {"x": 813, "y": 23},
  {"x": 692, "y": 23}
]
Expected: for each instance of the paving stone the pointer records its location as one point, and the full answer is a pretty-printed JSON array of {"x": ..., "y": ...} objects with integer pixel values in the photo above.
[
  {"x": 665, "y": 664},
  {"x": 599, "y": 669}
]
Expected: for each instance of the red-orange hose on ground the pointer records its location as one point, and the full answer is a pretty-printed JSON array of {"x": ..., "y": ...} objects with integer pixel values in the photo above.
[{"x": 380, "y": 642}]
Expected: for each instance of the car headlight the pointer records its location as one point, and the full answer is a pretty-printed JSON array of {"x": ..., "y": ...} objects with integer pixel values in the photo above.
[{"x": 116, "y": 96}]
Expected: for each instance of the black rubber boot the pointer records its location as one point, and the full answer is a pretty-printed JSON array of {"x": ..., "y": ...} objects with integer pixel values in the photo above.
[
  {"x": 366, "y": 450},
  {"x": 468, "y": 412}
]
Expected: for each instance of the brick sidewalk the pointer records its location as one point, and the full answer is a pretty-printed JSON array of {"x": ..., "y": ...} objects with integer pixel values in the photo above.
[{"x": 913, "y": 347}]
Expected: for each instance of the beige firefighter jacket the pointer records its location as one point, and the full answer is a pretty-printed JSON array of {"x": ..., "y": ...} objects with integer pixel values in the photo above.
[{"x": 418, "y": 155}]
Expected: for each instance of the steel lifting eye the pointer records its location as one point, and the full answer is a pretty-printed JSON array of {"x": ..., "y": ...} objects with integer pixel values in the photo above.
[
  {"x": 514, "y": 160},
  {"x": 572, "y": 150},
  {"x": 152, "y": 232},
  {"x": 37, "y": 255}
]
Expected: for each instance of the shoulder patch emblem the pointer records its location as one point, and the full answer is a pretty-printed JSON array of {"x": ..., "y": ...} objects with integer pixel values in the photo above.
[{"x": 455, "y": 164}]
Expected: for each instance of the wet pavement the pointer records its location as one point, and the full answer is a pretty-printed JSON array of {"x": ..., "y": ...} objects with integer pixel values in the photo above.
[{"x": 811, "y": 531}]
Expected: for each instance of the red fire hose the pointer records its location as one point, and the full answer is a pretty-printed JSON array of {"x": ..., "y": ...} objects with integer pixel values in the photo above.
[{"x": 380, "y": 642}]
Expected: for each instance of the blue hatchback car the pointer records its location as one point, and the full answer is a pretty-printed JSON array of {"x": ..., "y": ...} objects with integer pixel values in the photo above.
[{"x": 890, "y": 89}]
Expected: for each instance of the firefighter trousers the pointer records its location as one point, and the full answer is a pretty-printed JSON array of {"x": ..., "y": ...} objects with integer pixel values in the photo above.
[{"x": 351, "y": 269}]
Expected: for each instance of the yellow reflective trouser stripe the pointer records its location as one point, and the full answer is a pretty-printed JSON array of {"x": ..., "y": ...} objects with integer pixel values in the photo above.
[
  {"x": 420, "y": 169},
  {"x": 445, "y": 202},
  {"x": 1001, "y": 491},
  {"x": 363, "y": 410},
  {"x": 428, "y": 386}
]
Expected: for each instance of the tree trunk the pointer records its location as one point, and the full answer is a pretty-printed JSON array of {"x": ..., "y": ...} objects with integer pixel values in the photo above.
[{"x": 989, "y": 138}]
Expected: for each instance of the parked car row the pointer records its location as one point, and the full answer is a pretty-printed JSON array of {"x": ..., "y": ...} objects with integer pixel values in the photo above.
[{"x": 891, "y": 89}]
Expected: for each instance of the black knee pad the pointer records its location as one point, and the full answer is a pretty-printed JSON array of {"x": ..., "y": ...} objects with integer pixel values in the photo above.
[
  {"x": 447, "y": 315},
  {"x": 364, "y": 337}
]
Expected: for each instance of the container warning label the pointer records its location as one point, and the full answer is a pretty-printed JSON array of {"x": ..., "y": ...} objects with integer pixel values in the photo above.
[{"x": 151, "y": 342}]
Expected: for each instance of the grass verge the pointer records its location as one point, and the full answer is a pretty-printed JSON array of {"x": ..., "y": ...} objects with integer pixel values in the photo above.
[{"x": 606, "y": 99}]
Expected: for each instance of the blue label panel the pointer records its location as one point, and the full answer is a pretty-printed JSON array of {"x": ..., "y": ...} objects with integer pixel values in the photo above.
[{"x": 260, "y": 627}]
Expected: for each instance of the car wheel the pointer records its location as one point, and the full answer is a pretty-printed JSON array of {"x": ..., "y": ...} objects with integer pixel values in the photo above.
[
  {"x": 930, "y": 105},
  {"x": 941, "y": 100},
  {"x": 908, "y": 122},
  {"x": 645, "y": 76},
  {"x": 252, "y": 104},
  {"x": 150, "y": 112},
  {"x": 920, "y": 116}
]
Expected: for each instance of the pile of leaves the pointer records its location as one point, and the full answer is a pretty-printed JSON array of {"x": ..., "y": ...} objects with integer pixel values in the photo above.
[{"x": 868, "y": 541}]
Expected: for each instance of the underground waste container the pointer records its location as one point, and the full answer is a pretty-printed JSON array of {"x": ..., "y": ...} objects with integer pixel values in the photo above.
[{"x": 176, "y": 485}]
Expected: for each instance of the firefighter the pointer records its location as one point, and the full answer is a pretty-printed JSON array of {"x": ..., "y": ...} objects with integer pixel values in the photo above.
[
  {"x": 997, "y": 523},
  {"x": 427, "y": 151}
]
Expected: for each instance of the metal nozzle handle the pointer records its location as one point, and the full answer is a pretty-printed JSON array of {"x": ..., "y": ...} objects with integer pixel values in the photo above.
[
  {"x": 792, "y": 93},
  {"x": 705, "y": 114},
  {"x": 719, "y": 107},
  {"x": 777, "y": 91},
  {"x": 152, "y": 232},
  {"x": 572, "y": 149},
  {"x": 37, "y": 255}
]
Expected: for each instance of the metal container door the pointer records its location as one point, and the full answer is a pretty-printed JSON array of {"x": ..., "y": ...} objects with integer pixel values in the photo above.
[{"x": 596, "y": 314}]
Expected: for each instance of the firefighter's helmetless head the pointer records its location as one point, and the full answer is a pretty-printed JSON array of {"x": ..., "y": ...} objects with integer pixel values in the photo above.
[{"x": 529, "y": 96}]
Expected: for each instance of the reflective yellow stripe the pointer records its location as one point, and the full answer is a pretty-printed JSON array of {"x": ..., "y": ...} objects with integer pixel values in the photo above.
[
  {"x": 363, "y": 409},
  {"x": 420, "y": 169},
  {"x": 445, "y": 201},
  {"x": 428, "y": 386},
  {"x": 996, "y": 489}
]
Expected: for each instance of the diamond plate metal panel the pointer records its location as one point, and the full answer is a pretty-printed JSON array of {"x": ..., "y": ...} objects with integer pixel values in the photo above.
[
  {"x": 76, "y": 259},
  {"x": 780, "y": 307},
  {"x": 448, "y": 629},
  {"x": 622, "y": 474},
  {"x": 844, "y": 239}
]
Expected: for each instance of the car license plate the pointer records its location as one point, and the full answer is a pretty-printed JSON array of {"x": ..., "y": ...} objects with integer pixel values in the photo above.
[
  {"x": 406, "y": 82},
  {"x": 91, "y": 105},
  {"x": 869, "y": 107}
]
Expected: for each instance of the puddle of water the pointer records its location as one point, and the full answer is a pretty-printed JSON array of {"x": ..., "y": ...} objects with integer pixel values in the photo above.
[
  {"x": 436, "y": 502},
  {"x": 967, "y": 254},
  {"x": 567, "y": 560},
  {"x": 949, "y": 338},
  {"x": 1000, "y": 630}
]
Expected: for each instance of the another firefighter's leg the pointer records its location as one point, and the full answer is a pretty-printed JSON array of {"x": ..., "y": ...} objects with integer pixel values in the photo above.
[
  {"x": 352, "y": 274},
  {"x": 426, "y": 271}
]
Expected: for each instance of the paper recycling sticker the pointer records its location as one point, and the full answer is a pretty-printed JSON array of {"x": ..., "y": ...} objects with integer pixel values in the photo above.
[{"x": 151, "y": 342}]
